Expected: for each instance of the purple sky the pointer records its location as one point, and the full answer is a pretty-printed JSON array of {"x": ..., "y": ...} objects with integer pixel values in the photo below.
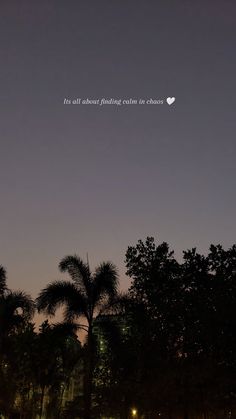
[{"x": 89, "y": 179}]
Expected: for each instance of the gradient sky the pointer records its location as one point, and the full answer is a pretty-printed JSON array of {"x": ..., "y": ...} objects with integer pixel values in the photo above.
[{"x": 89, "y": 179}]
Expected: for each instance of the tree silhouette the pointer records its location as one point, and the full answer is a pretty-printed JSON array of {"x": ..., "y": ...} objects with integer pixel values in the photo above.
[
  {"x": 85, "y": 297},
  {"x": 190, "y": 310},
  {"x": 167, "y": 347},
  {"x": 16, "y": 309}
]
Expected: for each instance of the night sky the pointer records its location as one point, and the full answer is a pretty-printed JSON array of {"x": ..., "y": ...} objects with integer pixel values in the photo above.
[{"x": 78, "y": 179}]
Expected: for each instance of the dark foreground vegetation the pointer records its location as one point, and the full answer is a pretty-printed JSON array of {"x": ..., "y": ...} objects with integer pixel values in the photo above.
[{"x": 166, "y": 348}]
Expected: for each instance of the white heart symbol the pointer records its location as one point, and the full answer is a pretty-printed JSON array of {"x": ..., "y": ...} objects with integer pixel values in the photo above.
[{"x": 170, "y": 100}]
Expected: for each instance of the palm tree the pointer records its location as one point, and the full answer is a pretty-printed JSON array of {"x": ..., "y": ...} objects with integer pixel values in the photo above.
[
  {"x": 85, "y": 297},
  {"x": 16, "y": 309}
]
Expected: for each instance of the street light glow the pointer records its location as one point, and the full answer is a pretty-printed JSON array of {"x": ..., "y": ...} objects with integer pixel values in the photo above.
[{"x": 134, "y": 412}]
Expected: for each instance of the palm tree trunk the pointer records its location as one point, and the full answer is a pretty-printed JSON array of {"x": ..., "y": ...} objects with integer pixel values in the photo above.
[{"x": 88, "y": 378}]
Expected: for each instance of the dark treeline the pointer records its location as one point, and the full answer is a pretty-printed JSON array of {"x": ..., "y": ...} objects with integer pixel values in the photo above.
[{"x": 165, "y": 348}]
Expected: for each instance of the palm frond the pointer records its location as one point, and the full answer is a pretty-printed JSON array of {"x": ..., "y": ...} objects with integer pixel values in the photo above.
[
  {"x": 16, "y": 308},
  {"x": 78, "y": 270},
  {"x": 18, "y": 300},
  {"x": 105, "y": 283},
  {"x": 65, "y": 329},
  {"x": 61, "y": 293},
  {"x": 120, "y": 304}
]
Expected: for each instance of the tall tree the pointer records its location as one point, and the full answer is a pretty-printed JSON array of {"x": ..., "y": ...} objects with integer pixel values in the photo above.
[
  {"x": 16, "y": 309},
  {"x": 85, "y": 297},
  {"x": 190, "y": 311}
]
